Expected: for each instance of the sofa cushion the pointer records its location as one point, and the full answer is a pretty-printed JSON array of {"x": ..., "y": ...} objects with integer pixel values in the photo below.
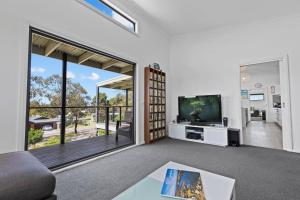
[{"x": 23, "y": 177}]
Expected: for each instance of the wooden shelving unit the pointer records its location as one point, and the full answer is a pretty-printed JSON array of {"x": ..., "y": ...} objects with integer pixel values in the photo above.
[{"x": 155, "y": 105}]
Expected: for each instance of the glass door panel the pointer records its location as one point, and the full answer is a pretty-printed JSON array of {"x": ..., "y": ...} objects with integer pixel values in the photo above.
[{"x": 45, "y": 102}]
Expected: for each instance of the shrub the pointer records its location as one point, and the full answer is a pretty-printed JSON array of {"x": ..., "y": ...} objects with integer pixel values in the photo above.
[
  {"x": 103, "y": 132},
  {"x": 35, "y": 136}
]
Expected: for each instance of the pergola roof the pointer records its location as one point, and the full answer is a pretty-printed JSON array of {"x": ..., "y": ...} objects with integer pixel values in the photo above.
[
  {"x": 39, "y": 120},
  {"x": 123, "y": 82},
  {"x": 53, "y": 48}
]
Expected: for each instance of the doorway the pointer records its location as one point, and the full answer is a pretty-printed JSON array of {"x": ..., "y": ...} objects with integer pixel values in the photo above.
[{"x": 265, "y": 104}]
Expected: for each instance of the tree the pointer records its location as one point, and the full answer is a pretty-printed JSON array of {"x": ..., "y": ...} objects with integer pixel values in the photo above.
[
  {"x": 118, "y": 100},
  {"x": 53, "y": 85},
  {"x": 43, "y": 89},
  {"x": 102, "y": 102},
  {"x": 130, "y": 98},
  {"x": 76, "y": 97},
  {"x": 37, "y": 90},
  {"x": 51, "y": 89},
  {"x": 102, "y": 99}
]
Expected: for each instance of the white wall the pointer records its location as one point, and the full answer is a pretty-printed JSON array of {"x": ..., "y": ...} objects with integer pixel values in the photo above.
[
  {"x": 72, "y": 20},
  {"x": 208, "y": 63}
]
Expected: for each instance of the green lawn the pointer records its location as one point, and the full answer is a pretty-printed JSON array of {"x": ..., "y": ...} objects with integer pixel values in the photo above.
[{"x": 53, "y": 140}]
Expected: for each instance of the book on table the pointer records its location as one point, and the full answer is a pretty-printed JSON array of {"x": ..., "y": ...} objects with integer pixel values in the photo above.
[{"x": 183, "y": 184}]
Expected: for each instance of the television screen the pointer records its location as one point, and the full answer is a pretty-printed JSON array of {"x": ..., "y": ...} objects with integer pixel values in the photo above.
[
  {"x": 256, "y": 97},
  {"x": 201, "y": 109}
]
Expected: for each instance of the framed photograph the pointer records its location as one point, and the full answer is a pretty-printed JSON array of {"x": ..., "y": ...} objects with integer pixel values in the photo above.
[{"x": 244, "y": 94}]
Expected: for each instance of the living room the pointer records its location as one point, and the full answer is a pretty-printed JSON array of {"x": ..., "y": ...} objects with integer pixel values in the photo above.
[{"x": 128, "y": 49}]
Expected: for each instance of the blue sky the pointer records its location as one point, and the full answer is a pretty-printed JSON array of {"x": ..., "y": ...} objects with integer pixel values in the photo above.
[
  {"x": 102, "y": 7},
  {"x": 88, "y": 77}
]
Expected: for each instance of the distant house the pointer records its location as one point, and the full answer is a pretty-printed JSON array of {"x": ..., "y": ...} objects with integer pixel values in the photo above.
[{"x": 38, "y": 122}]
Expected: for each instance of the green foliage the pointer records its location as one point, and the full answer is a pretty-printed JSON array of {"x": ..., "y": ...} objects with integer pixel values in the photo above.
[
  {"x": 120, "y": 99},
  {"x": 37, "y": 89},
  {"x": 197, "y": 105},
  {"x": 50, "y": 88},
  {"x": 56, "y": 139},
  {"x": 101, "y": 132},
  {"x": 69, "y": 135},
  {"x": 51, "y": 141},
  {"x": 102, "y": 99},
  {"x": 35, "y": 136},
  {"x": 117, "y": 117}
]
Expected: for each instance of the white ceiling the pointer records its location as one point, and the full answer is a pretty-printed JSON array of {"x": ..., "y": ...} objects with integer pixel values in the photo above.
[{"x": 185, "y": 16}]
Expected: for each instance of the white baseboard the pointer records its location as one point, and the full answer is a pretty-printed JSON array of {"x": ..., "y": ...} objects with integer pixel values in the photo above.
[{"x": 293, "y": 151}]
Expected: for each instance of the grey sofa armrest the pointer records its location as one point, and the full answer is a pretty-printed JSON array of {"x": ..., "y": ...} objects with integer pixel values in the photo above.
[{"x": 23, "y": 177}]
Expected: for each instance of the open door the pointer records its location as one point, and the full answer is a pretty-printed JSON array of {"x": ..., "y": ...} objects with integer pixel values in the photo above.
[{"x": 286, "y": 104}]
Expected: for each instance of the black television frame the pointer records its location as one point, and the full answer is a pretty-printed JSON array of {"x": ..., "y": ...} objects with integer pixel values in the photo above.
[{"x": 202, "y": 123}]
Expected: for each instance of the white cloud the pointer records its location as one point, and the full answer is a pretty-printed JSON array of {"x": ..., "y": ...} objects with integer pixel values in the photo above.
[
  {"x": 94, "y": 76},
  {"x": 38, "y": 70},
  {"x": 82, "y": 76},
  {"x": 70, "y": 75}
]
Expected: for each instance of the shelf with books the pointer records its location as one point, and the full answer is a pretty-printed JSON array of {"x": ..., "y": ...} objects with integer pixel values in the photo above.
[{"x": 155, "y": 105}]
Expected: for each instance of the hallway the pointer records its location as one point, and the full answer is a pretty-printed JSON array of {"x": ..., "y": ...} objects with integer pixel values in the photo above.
[{"x": 262, "y": 134}]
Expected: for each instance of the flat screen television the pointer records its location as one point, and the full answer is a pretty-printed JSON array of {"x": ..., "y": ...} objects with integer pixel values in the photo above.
[
  {"x": 257, "y": 97},
  {"x": 201, "y": 110}
]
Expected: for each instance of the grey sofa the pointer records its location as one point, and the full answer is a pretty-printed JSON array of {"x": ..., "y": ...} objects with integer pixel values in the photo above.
[{"x": 23, "y": 177}]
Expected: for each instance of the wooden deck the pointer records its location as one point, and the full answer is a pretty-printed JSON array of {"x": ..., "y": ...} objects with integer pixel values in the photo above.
[{"x": 58, "y": 156}]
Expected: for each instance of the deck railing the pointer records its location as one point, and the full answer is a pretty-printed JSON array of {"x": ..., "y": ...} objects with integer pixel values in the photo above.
[
  {"x": 107, "y": 114},
  {"x": 102, "y": 114}
]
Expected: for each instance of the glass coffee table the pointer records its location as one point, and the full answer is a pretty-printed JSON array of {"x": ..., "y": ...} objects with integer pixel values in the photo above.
[{"x": 216, "y": 187}]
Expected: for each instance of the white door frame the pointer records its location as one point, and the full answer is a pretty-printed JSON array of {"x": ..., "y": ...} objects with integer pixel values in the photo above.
[{"x": 287, "y": 134}]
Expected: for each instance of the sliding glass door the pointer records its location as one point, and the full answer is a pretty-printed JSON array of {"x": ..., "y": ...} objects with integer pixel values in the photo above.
[
  {"x": 77, "y": 94},
  {"x": 45, "y": 102}
]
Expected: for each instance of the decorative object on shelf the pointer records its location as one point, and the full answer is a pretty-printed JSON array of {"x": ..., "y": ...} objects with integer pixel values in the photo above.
[
  {"x": 155, "y": 105},
  {"x": 155, "y": 66}
]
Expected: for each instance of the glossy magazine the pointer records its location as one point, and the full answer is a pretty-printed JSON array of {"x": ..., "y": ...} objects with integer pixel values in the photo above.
[{"x": 182, "y": 184}]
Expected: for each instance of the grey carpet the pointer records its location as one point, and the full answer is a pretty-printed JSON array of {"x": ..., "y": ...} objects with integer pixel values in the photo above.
[{"x": 261, "y": 174}]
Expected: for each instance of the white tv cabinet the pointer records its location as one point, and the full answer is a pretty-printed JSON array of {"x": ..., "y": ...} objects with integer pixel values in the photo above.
[{"x": 215, "y": 135}]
